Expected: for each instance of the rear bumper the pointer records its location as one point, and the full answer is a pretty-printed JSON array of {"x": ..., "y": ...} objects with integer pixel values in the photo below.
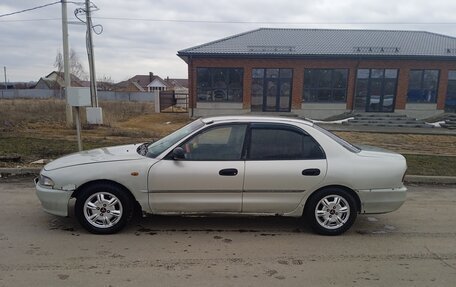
[
  {"x": 382, "y": 200},
  {"x": 53, "y": 201}
]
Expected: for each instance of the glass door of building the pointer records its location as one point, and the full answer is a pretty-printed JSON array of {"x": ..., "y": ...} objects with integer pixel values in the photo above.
[
  {"x": 271, "y": 90},
  {"x": 376, "y": 90}
]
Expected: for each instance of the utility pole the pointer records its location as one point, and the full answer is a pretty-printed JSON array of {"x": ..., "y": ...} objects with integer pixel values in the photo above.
[
  {"x": 6, "y": 84},
  {"x": 66, "y": 61},
  {"x": 66, "y": 73},
  {"x": 93, "y": 81}
]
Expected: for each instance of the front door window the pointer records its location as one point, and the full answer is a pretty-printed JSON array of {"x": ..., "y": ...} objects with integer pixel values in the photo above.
[
  {"x": 218, "y": 143},
  {"x": 271, "y": 90},
  {"x": 209, "y": 179},
  {"x": 376, "y": 90}
]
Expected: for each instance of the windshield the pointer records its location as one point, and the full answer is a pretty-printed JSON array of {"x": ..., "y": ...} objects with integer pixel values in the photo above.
[
  {"x": 163, "y": 144},
  {"x": 340, "y": 141}
]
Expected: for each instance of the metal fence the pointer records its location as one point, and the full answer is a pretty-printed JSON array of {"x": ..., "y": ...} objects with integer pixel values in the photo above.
[
  {"x": 173, "y": 102},
  {"x": 58, "y": 94},
  {"x": 31, "y": 94}
]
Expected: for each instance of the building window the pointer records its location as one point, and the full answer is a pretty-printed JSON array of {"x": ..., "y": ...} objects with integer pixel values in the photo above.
[
  {"x": 422, "y": 86},
  {"x": 325, "y": 85},
  {"x": 219, "y": 84},
  {"x": 450, "y": 102},
  {"x": 156, "y": 88}
]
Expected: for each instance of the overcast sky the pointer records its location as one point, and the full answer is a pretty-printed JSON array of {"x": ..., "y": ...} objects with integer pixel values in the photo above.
[{"x": 144, "y": 35}]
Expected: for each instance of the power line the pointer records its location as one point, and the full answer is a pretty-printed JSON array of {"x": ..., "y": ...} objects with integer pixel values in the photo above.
[
  {"x": 31, "y": 20},
  {"x": 270, "y": 22},
  {"x": 238, "y": 22},
  {"x": 30, "y": 9},
  {"x": 213, "y": 21},
  {"x": 35, "y": 8}
]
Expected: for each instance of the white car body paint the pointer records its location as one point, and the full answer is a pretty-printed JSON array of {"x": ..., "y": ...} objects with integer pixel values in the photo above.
[{"x": 168, "y": 186}]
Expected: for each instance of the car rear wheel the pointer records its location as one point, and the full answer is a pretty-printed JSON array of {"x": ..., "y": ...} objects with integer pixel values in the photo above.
[
  {"x": 103, "y": 208},
  {"x": 331, "y": 211}
]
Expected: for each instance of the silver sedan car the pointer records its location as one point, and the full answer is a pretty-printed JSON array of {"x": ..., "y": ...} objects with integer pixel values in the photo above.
[{"x": 234, "y": 165}]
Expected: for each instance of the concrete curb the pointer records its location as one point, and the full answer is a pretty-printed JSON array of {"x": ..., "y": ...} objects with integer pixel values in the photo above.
[
  {"x": 20, "y": 171},
  {"x": 408, "y": 178},
  {"x": 430, "y": 179}
]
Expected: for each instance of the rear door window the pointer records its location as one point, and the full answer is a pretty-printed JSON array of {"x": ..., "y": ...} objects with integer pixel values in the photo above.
[{"x": 282, "y": 143}]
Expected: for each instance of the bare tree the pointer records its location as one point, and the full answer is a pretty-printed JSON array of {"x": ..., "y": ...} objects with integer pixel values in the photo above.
[
  {"x": 76, "y": 68},
  {"x": 105, "y": 83}
]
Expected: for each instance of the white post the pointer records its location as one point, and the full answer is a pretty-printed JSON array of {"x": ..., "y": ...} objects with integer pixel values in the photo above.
[
  {"x": 66, "y": 61},
  {"x": 157, "y": 101},
  {"x": 6, "y": 84},
  {"x": 78, "y": 129}
]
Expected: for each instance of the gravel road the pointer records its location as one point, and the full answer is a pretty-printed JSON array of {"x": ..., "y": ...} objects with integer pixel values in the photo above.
[{"x": 414, "y": 246}]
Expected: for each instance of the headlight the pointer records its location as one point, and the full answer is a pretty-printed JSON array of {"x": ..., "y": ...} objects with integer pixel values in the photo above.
[{"x": 45, "y": 181}]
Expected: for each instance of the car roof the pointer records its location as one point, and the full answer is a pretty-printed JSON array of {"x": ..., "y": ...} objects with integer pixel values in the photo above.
[{"x": 244, "y": 118}]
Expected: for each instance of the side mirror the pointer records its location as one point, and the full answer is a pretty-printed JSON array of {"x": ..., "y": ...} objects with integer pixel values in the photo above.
[{"x": 178, "y": 153}]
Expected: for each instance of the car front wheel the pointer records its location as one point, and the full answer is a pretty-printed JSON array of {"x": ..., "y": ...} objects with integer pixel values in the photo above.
[
  {"x": 331, "y": 211},
  {"x": 103, "y": 208}
]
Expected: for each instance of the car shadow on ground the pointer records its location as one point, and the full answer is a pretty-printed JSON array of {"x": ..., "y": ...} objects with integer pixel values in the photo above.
[
  {"x": 270, "y": 225},
  {"x": 256, "y": 225},
  {"x": 154, "y": 224}
]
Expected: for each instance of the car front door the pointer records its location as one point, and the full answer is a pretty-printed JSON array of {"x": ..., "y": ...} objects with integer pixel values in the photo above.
[
  {"x": 282, "y": 163},
  {"x": 209, "y": 178}
]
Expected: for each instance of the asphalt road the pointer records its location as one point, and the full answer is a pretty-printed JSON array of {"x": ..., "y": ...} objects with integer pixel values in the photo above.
[{"x": 414, "y": 246}]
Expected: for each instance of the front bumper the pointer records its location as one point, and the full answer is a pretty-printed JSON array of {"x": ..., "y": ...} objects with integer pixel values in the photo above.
[
  {"x": 382, "y": 200},
  {"x": 53, "y": 201}
]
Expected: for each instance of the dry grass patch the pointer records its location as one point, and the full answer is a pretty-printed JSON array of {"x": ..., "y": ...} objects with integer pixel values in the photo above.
[
  {"x": 36, "y": 129},
  {"x": 431, "y": 165},
  {"x": 405, "y": 143},
  {"x": 159, "y": 124},
  {"x": 21, "y": 112}
]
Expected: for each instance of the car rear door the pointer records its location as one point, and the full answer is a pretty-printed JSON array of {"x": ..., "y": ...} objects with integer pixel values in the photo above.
[
  {"x": 282, "y": 163},
  {"x": 210, "y": 177}
]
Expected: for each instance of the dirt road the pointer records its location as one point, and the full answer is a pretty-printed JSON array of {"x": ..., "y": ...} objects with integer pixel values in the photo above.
[{"x": 414, "y": 246}]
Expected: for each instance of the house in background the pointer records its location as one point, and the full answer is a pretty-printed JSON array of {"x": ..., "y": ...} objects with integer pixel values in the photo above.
[
  {"x": 156, "y": 85},
  {"x": 55, "y": 81},
  {"x": 128, "y": 86},
  {"x": 137, "y": 83},
  {"x": 318, "y": 73},
  {"x": 18, "y": 85},
  {"x": 141, "y": 83},
  {"x": 177, "y": 85}
]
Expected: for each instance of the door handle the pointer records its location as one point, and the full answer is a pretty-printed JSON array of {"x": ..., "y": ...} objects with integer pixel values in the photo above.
[
  {"x": 228, "y": 172},
  {"x": 311, "y": 172}
]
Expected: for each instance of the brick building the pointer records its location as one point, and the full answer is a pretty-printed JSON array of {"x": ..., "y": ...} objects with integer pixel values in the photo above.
[{"x": 318, "y": 73}]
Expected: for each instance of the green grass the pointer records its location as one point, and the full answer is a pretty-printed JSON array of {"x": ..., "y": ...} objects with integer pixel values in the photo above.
[
  {"x": 431, "y": 165},
  {"x": 31, "y": 149}
]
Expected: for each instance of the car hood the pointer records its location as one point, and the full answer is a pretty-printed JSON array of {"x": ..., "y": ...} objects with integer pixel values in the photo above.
[{"x": 106, "y": 154}]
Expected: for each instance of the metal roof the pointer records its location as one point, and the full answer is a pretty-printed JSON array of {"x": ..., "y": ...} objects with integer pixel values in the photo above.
[{"x": 278, "y": 42}]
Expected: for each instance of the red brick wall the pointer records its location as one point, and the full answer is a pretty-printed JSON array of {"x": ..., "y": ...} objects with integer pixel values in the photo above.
[{"x": 298, "y": 66}]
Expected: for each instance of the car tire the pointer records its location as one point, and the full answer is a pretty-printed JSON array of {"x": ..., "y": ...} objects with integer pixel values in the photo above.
[
  {"x": 331, "y": 211},
  {"x": 103, "y": 208}
]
